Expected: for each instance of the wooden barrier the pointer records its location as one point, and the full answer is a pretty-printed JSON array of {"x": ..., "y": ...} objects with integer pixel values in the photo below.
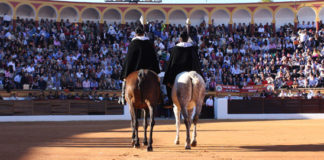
[
  {"x": 275, "y": 106},
  {"x": 24, "y": 93},
  {"x": 60, "y": 107}
]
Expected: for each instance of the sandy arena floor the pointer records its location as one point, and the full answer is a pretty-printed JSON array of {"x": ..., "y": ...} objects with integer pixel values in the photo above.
[{"x": 223, "y": 140}]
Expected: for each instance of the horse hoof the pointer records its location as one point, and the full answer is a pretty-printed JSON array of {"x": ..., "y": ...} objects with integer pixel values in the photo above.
[
  {"x": 194, "y": 144},
  {"x": 133, "y": 143},
  {"x": 145, "y": 143},
  {"x": 137, "y": 145},
  {"x": 188, "y": 147},
  {"x": 149, "y": 149},
  {"x": 177, "y": 142}
]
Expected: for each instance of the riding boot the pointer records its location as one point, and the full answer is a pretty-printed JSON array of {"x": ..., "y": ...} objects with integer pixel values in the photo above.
[
  {"x": 169, "y": 94},
  {"x": 122, "y": 96}
]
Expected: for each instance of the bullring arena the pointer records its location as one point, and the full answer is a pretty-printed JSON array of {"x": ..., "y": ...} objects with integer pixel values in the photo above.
[{"x": 232, "y": 129}]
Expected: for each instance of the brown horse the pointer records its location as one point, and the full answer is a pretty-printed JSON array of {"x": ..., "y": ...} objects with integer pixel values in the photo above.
[{"x": 142, "y": 92}]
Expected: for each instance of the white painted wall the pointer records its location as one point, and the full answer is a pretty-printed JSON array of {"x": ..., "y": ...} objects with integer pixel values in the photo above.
[
  {"x": 283, "y": 17},
  {"x": 321, "y": 14},
  {"x": 263, "y": 16},
  {"x": 111, "y": 16},
  {"x": 306, "y": 14},
  {"x": 177, "y": 17},
  {"x": 90, "y": 14},
  {"x": 155, "y": 15},
  {"x": 132, "y": 16},
  {"x": 220, "y": 17},
  {"x": 70, "y": 13},
  {"x": 197, "y": 17},
  {"x": 47, "y": 12},
  {"x": 241, "y": 16},
  {"x": 5, "y": 8},
  {"x": 25, "y": 11},
  {"x": 64, "y": 118}
]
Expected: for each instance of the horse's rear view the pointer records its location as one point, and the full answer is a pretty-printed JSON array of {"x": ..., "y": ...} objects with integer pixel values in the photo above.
[
  {"x": 188, "y": 92},
  {"x": 142, "y": 92}
]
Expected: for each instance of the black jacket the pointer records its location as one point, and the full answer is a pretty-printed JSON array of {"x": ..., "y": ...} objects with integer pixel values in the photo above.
[
  {"x": 181, "y": 59},
  {"x": 140, "y": 55}
]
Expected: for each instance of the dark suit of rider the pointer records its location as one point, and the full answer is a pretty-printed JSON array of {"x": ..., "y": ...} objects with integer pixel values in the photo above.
[
  {"x": 184, "y": 57},
  {"x": 140, "y": 55}
]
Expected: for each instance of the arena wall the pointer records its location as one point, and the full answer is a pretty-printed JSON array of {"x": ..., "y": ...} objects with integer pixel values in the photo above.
[
  {"x": 221, "y": 111},
  {"x": 63, "y": 118}
]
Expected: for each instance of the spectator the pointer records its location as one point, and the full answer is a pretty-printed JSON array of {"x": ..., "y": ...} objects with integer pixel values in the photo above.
[
  {"x": 263, "y": 94},
  {"x": 42, "y": 96},
  {"x": 107, "y": 97},
  {"x": 51, "y": 96},
  {"x": 318, "y": 95},
  {"x": 71, "y": 85},
  {"x": 282, "y": 94},
  {"x": 100, "y": 97},
  {"x": 290, "y": 94},
  {"x": 42, "y": 84},
  {"x": 86, "y": 85},
  {"x": 310, "y": 94},
  {"x": 7, "y": 19},
  {"x": 210, "y": 102},
  {"x": 62, "y": 96},
  {"x": 29, "y": 97},
  {"x": 77, "y": 97},
  {"x": 70, "y": 96}
]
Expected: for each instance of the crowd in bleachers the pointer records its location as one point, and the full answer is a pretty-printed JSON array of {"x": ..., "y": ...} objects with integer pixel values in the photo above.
[{"x": 89, "y": 56}]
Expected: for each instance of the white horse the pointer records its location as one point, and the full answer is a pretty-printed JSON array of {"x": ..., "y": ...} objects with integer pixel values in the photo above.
[{"x": 188, "y": 92}]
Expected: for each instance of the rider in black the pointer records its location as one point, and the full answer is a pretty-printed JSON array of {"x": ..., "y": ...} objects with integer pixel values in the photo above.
[
  {"x": 184, "y": 57},
  {"x": 141, "y": 55}
]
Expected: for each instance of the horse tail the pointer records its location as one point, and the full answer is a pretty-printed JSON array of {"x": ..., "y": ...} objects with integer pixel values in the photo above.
[
  {"x": 192, "y": 88},
  {"x": 195, "y": 82},
  {"x": 140, "y": 77}
]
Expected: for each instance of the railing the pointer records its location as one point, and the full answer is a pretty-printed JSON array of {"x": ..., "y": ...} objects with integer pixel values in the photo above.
[
  {"x": 24, "y": 93},
  {"x": 275, "y": 106},
  {"x": 60, "y": 107}
]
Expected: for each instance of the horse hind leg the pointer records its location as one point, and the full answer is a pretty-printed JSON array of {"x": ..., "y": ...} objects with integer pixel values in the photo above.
[
  {"x": 190, "y": 112},
  {"x": 152, "y": 123},
  {"x": 133, "y": 117},
  {"x": 145, "y": 124},
  {"x": 137, "y": 144},
  {"x": 195, "y": 121},
  {"x": 194, "y": 132},
  {"x": 177, "y": 117},
  {"x": 187, "y": 121}
]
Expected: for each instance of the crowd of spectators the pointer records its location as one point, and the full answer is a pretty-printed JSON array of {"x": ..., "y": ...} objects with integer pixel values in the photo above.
[
  {"x": 286, "y": 58},
  {"x": 88, "y": 56}
]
